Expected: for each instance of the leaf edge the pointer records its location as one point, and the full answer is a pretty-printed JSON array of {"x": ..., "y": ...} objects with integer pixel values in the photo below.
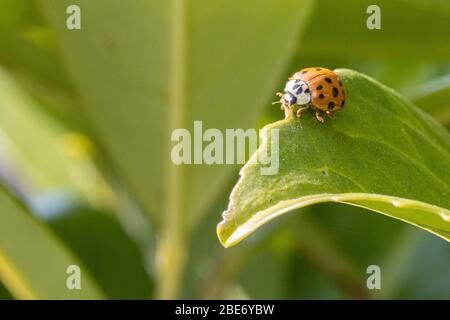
[{"x": 262, "y": 217}]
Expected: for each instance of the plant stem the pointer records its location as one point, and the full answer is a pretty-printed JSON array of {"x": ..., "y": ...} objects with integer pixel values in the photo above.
[
  {"x": 170, "y": 262},
  {"x": 172, "y": 245}
]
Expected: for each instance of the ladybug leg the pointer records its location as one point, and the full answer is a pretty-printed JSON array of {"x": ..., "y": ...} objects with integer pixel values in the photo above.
[
  {"x": 301, "y": 110},
  {"x": 280, "y": 94},
  {"x": 318, "y": 116},
  {"x": 330, "y": 114}
]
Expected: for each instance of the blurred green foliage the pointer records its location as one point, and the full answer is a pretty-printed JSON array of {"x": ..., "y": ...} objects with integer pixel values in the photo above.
[
  {"x": 87, "y": 115},
  {"x": 113, "y": 258},
  {"x": 33, "y": 262}
]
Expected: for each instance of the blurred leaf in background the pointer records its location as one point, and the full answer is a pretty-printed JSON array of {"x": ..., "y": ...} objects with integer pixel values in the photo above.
[
  {"x": 112, "y": 257},
  {"x": 33, "y": 262},
  {"x": 29, "y": 51},
  {"x": 434, "y": 97},
  {"x": 38, "y": 153},
  {"x": 338, "y": 30}
]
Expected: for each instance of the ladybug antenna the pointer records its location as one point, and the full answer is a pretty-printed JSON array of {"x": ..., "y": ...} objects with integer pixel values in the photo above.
[{"x": 276, "y": 102}]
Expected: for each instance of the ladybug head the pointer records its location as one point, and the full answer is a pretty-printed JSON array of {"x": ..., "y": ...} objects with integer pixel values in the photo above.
[
  {"x": 289, "y": 99},
  {"x": 297, "y": 92}
]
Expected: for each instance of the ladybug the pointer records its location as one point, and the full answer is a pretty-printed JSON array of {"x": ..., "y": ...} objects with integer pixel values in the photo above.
[{"x": 317, "y": 88}]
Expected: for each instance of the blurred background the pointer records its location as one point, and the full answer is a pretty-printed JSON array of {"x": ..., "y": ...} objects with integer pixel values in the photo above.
[{"x": 85, "y": 122}]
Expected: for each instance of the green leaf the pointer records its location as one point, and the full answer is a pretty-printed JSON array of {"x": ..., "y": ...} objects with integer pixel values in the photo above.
[
  {"x": 434, "y": 98},
  {"x": 33, "y": 262},
  {"x": 380, "y": 153}
]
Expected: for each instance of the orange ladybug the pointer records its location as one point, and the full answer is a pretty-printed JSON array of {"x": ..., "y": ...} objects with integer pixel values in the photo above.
[{"x": 317, "y": 88}]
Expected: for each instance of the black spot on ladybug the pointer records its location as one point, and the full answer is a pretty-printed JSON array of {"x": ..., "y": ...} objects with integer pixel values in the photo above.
[
  {"x": 289, "y": 98},
  {"x": 307, "y": 90},
  {"x": 331, "y": 105},
  {"x": 319, "y": 87},
  {"x": 321, "y": 96},
  {"x": 342, "y": 104},
  {"x": 328, "y": 80},
  {"x": 335, "y": 92}
]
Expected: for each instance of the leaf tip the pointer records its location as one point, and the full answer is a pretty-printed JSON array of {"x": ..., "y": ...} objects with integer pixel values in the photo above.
[{"x": 222, "y": 234}]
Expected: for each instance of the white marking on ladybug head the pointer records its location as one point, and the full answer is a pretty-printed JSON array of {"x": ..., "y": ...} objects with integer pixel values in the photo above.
[
  {"x": 300, "y": 90},
  {"x": 289, "y": 87}
]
